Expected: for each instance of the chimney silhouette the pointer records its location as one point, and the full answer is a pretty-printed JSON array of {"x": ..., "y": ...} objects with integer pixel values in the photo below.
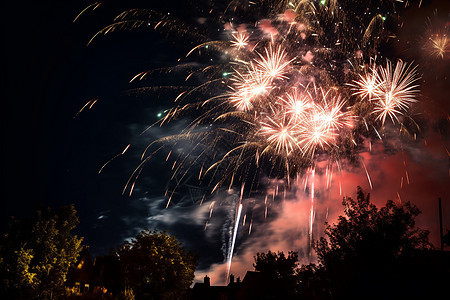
[
  {"x": 207, "y": 280},
  {"x": 231, "y": 279}
]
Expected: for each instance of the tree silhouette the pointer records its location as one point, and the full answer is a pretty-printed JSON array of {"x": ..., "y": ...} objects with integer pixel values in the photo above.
[
  {"x": 35, "y": 255},
  {"x": 156, "y": 266},
  {"x": 280, "y": 273},
  {"x": 369, "y": 252}
]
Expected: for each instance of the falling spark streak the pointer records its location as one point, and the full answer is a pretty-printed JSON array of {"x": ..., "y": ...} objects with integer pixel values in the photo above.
[
  {"x": 92, "y": 104},
  {"x": 132, "y": 188},
  {"x": 312, "y": 212},
  {"x": 367, "y": 174},
  {"x": 203, "y": 199},
  {"x": 120, "y": 154},
  {"x": 242, "y": 192},
  {"x": 211, "y": 208},
  {"x": 168, "y": 155},
  {"x": 93, "y": 6},
  {"x": 88, "y": 104},
  {"x": 230, "y": 254},
  {"x": 378, "y": 134}
]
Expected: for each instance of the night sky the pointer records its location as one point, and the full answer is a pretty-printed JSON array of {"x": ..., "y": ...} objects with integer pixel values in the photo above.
[{"x": 51, "y": 156}]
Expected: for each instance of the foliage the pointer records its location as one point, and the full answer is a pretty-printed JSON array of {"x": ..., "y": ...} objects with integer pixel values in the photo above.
[
  {"x": 277, "y": 265},
  {"x": 280, "y": 272},
  {"x": 36, "y": 254},
  {"x": 385, "y": 234},
  {"x": 313, "y": 283},
  {"x": 127, "y": 294},
  {"x": 156, "y": 266},
  {"x": 368, "y": 250}
]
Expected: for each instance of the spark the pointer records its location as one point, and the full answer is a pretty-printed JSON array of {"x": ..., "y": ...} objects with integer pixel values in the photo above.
[
  {"x": 88, "y": 105},
  {"x": 297, "y": 105},
  {"x": 120, "y": 154},
  {"x": 367, "y": 85},
  {"x": 236, "y": 226},
  {"x": 397, "y": 90},
  {"x": 323, "y": 123},
  {"x": 240, "y": 40},
  {"x": 274, "y": 64},
  {"x": 367, "y": 174},
  {"x": 281, "y": 135},
  {"x": 392, "y": 90},
  {"x": 247, "y": 88},
  {"x": 312, "y": 211},
  {"x": 439, "y": 45}
]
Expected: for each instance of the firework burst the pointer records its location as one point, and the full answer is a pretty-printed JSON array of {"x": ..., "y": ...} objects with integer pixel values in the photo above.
[
  {"x": 281, "y": 135},
  {"x": 296, "y": 83},
  {"x": 436, "y": 42},
  {"x": 392, "y": 90},
  {"x": 281, "y": 100},
  {"x": 240, "y": 40},
  {"x": 439, "y": 45}
]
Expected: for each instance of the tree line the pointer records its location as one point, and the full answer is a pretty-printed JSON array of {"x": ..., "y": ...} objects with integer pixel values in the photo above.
[
  {"x": 36, "y": 256},
  {"x": 369, "y": 253}
]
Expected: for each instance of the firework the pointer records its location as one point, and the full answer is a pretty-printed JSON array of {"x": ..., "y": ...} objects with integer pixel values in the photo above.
[
  {"x": 240, "y": 40},
  {"x": 247, "y": 88},
  {"x": 273, "y": 64},
  {"x": 297, "y": 82},
  {"x": 366, "y": 86},
  {"x": 392, "y": 90},
  {"x": 436, "y": 42},
  {"x": 277, "y": 99},
  {"x": 296, "y": 105},
  {"x": 236, "y": 226},
  {"x": 439, "y": 45},
  {"x": 281, "y": 135}
]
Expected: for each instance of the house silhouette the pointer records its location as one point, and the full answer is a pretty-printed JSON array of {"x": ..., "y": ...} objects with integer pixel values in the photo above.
[
  {"x": 81, "y": 277},
  {"x": 254, "y": 286}
]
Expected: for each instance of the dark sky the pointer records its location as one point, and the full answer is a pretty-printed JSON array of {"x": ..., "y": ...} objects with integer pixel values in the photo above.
[{"x": 51, "y": 158}]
